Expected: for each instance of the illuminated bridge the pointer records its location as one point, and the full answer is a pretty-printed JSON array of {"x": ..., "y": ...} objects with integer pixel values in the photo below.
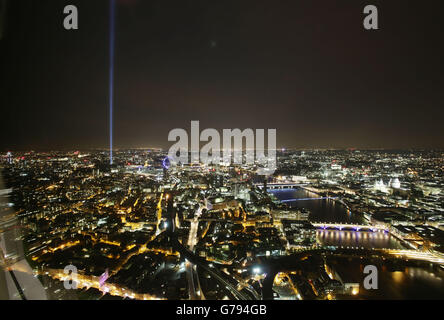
[
  {"x": 307, "y": 199},
  {"x": 345, "y": 226},
  {"x": 406, "y": 254},
  {"x": 289, "y": 185}
]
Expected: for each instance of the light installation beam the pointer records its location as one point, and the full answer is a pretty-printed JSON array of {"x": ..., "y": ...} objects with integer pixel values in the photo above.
[{"x": 112, "y": 7}]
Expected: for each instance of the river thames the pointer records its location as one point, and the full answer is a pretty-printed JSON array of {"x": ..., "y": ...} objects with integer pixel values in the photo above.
[
  {"x": 331, "y": 211},
  {"x": 403, "y": 282}
]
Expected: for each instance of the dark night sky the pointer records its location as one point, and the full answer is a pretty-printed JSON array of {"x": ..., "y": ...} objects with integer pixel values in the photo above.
[{"x": 306, "y": 68}]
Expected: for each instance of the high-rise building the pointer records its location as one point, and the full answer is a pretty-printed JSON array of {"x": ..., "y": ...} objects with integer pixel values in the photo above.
[{"x": 9, "y": 157}]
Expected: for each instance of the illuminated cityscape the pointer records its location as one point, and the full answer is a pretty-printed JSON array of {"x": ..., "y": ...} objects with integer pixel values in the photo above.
[
  {"x": 212, "y": 232},
  {"x": 208, "y": 155}
]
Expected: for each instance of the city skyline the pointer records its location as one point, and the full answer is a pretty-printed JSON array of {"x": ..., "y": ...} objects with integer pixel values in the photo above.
[{"x": 143, "y": 230}]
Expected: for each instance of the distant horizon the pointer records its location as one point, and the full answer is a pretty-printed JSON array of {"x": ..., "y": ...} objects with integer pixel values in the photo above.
[{"x": 284, "y": 149}]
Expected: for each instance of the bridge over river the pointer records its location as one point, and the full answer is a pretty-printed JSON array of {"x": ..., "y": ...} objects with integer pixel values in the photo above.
[{"x": 350, "y": 226}]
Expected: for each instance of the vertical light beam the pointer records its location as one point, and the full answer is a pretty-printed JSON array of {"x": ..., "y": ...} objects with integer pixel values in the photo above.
[{"x": 112, "y": 6}]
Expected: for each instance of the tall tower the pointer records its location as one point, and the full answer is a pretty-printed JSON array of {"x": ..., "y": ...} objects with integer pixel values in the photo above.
[
  {"x": 9, "y": 157},
  {"x": 165, "y": 166}
]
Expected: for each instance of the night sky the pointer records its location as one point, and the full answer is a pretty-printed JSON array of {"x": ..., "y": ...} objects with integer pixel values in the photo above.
[{"x": 307, "y": 68}]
